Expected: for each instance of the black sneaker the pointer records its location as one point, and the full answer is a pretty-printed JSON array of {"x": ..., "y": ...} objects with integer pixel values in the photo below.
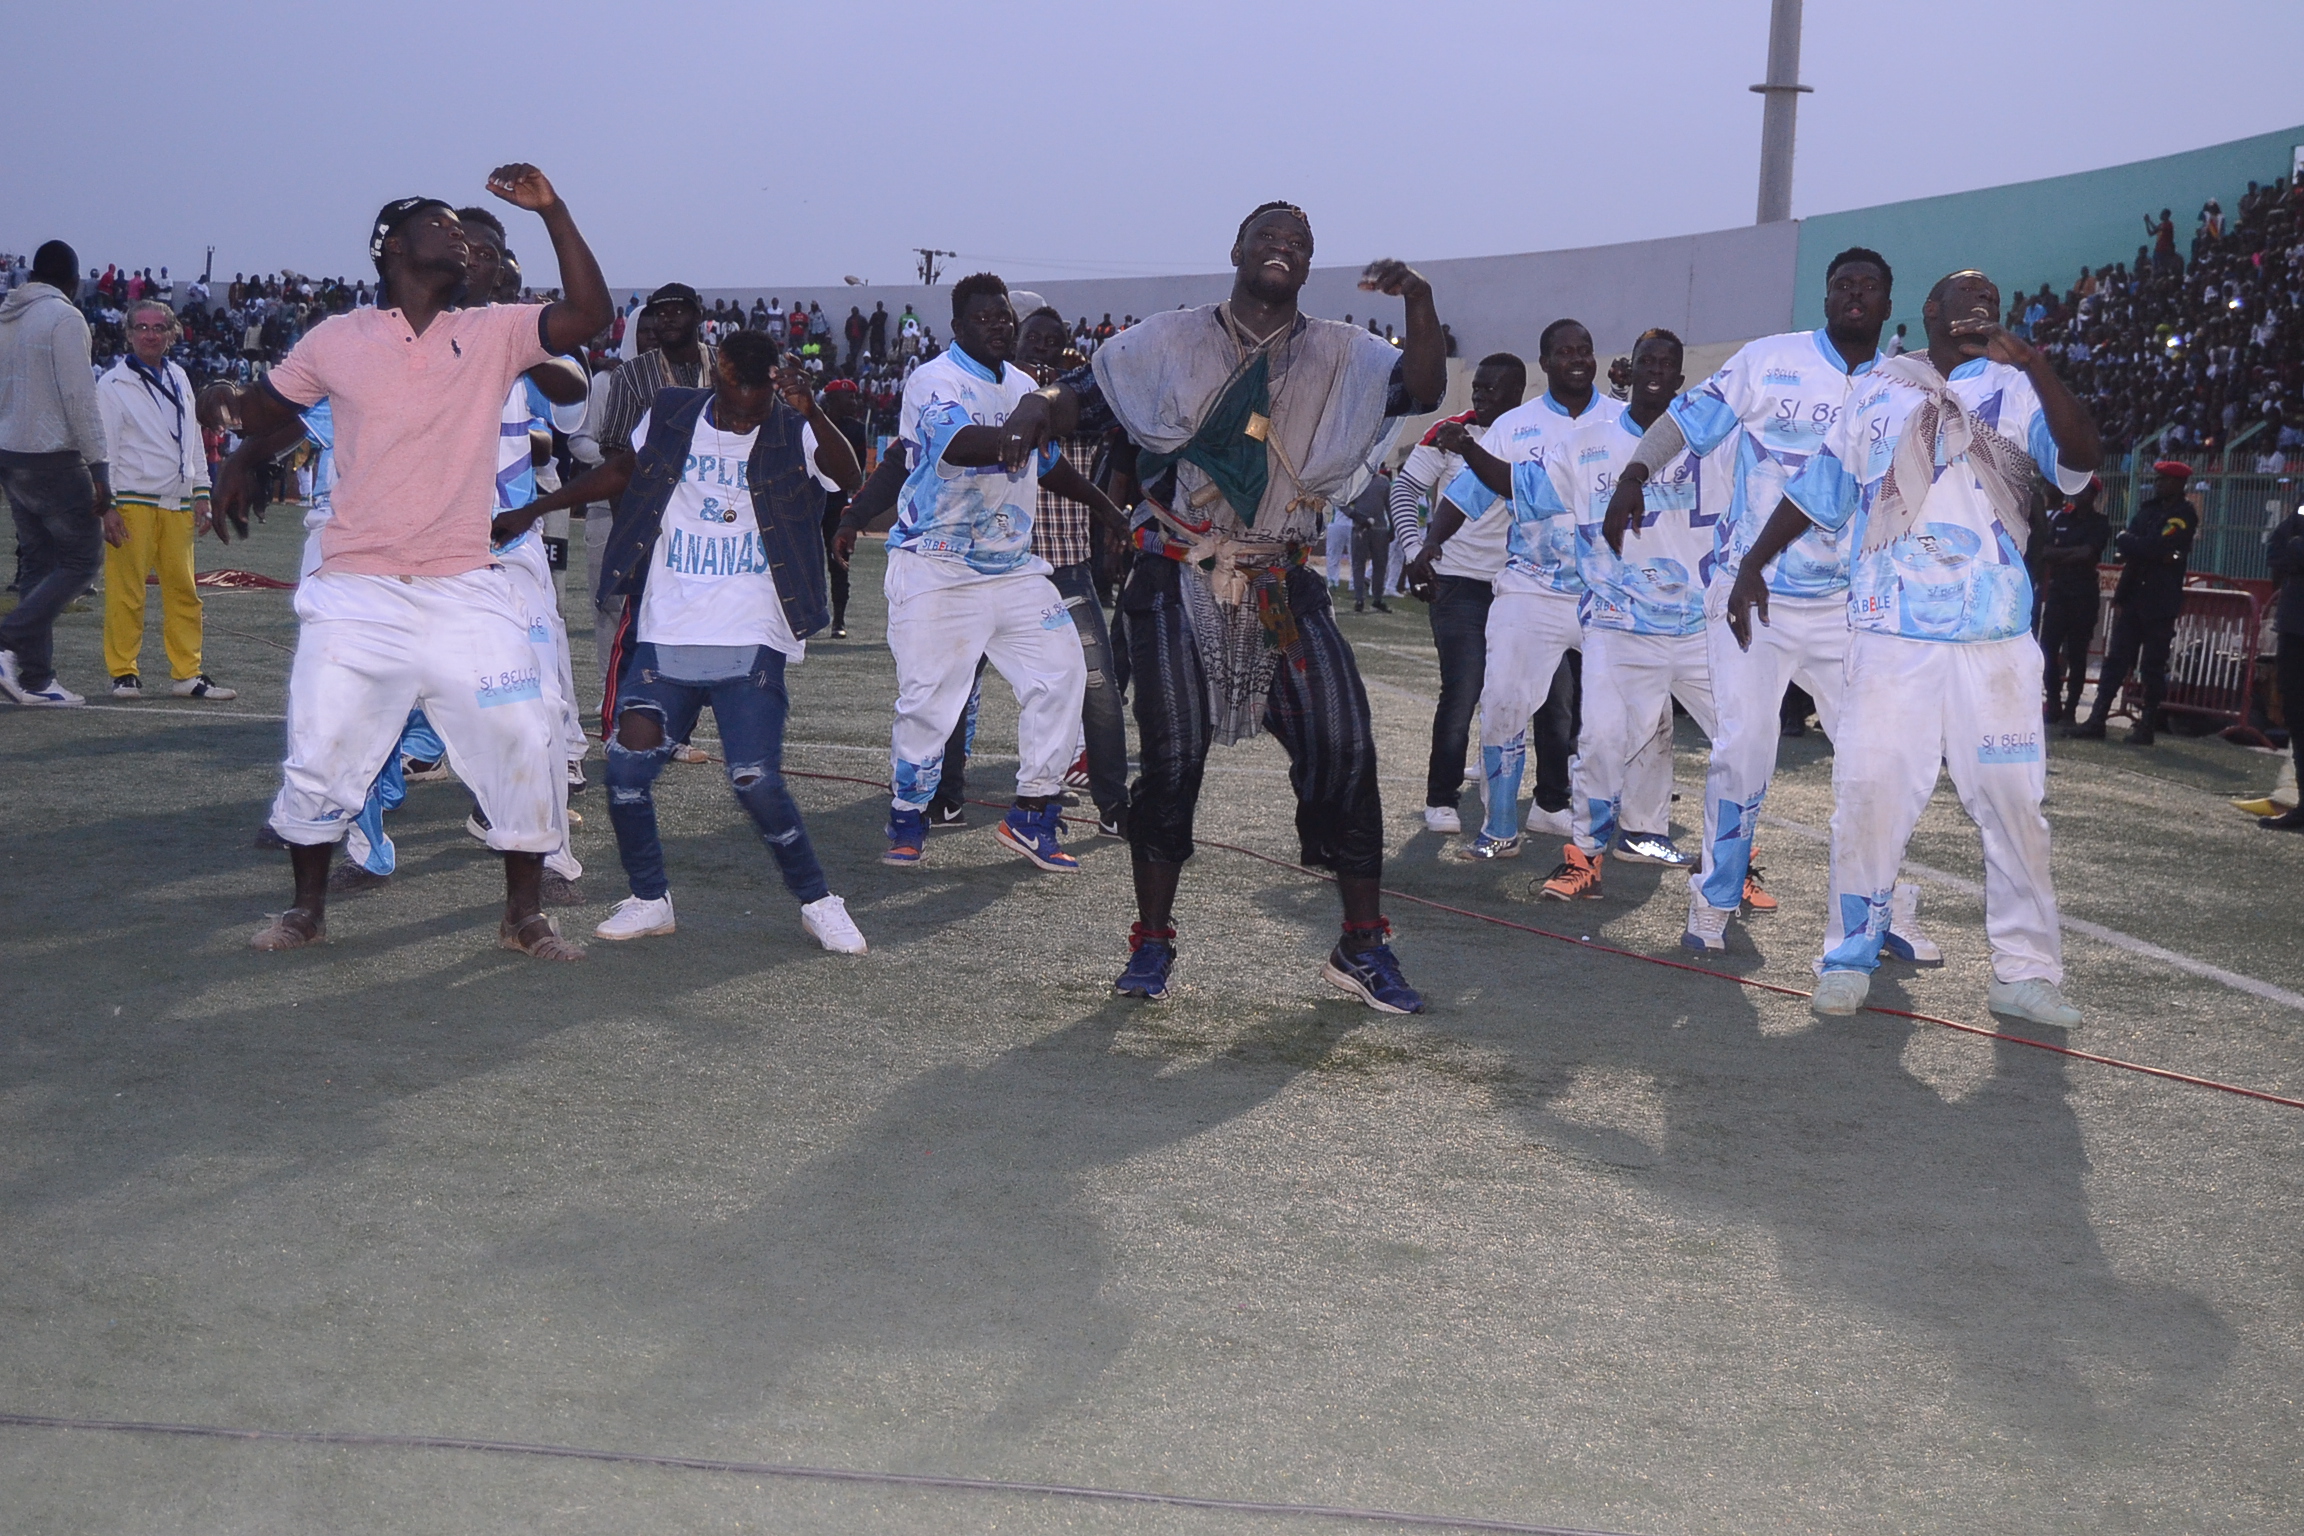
[
  {"x": 2085, "y": 730},
  {"x": 127, "y": 686},
  {"x": 2286, "y": 821},
  {"x": 939, "y": 814},
  {"x": 1112, "y": 824}
]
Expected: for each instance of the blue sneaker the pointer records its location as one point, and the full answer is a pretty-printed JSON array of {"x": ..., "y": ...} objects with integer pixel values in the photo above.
[
  {"x": 907, "y": 832},
  {"x": 1651, "y": 848},
  {"x": 1486, "y": 847},
  {"x": 1373, "y": 976},
  {"x": 1033, "y": 834},
  {"x": 1151, "y": 956}
]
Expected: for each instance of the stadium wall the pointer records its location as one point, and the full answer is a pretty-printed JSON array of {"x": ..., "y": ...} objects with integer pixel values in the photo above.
[
  {"x": 2034, "y": 232},
  {"x": 1715, "y": 290},
  {"x": 1718, "y": 289}
]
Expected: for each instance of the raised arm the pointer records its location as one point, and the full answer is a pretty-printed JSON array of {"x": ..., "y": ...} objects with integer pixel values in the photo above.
[
  {"x": 1038, "y": 419},
  {"x": 1454, "y": 437},
  {"x": 2078, "y": 447},
  {"x": 834, "y": 457},
  {"x": 586, "y": 310},
  {"x": 1423, "y": 351}
]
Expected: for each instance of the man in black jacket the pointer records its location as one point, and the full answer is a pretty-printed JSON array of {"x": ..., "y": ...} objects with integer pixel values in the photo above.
[
  {"x": 2285, "y": 554},
  {"x": 2154, "y": 548},
  {"x": 2077, "y": 534}
]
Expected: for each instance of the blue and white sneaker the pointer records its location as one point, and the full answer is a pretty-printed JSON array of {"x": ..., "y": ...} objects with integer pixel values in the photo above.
[
  {"x": 1148, "y": 963},
  {"x": 907, "y": 834},
  {"x": 1485, "y": 847},
  {"x": 54, "y": 696},
  {"x": 1373, "y": 976},
  {"x": 1033, "y": 834},
  {"x": 1651, "y": 848},
  {"x": 1904, "y": 941}
]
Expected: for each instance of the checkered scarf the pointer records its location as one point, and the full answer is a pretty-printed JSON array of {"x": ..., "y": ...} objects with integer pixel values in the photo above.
[{"x": 2002, "y": 467}]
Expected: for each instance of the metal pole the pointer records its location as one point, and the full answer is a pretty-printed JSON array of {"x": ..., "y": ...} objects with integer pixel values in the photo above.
[{"x": 1782, "y": 92}]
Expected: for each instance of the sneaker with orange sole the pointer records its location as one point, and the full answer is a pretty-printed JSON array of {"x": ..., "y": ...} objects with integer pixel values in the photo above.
[
  {"x": 1756, "y": 897},
  {"x": 1577, "y": 878}
]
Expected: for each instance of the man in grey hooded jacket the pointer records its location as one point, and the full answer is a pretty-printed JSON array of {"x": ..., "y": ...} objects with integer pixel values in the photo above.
[{"x": 53, "y": 469}]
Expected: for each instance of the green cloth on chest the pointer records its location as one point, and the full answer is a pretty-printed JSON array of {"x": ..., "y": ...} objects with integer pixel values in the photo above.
[{"x": 1222, "y": 449}]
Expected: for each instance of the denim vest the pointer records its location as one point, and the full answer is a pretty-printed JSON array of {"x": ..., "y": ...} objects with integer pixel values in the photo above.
[{"x": 787, "y": 505}]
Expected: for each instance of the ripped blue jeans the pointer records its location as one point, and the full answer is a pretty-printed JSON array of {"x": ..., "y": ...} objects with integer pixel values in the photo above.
[{"x": 750, "y": 709}]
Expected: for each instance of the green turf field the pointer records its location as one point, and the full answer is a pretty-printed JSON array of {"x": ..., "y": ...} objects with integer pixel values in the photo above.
[{"x": 1594, "y": 1243}]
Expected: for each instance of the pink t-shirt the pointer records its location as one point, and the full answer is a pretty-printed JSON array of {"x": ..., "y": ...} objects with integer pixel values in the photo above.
[{"x": 416, "y": 429}]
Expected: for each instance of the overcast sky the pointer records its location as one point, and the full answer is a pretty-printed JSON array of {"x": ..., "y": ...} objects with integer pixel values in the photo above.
[{"x": 728, "y": 144}]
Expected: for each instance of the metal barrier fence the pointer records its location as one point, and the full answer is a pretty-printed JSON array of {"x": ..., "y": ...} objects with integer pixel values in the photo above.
[
  {"x": 2211, "y": 661},
  {"x": 2237, "y": 512}
]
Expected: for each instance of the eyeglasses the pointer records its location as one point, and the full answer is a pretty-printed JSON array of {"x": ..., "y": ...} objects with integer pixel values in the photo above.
[{"x": 150, "y": 330}]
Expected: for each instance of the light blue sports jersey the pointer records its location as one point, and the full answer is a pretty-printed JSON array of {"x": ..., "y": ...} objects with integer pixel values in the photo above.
[
  {"x": 1772, "y": 405},
  {"x": 320, "y": 429},
  {"x": 1539, "y": 550},
  {"x": 525, "y": 411},
  {"x": 1957, "y": 575},
  {"x": 978, "y": 518},
  {"x": 1656, "y": 587}
]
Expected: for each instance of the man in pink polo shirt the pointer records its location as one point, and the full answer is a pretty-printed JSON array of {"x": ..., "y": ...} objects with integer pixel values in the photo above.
[{"x": 409, "y": 607}]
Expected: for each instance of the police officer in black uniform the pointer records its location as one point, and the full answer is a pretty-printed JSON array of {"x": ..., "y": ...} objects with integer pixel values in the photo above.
[
  {"x": 2153, "y": 548},
  {"x": 2284, "y": 552},
  {"x": 2077, "y": 534}
]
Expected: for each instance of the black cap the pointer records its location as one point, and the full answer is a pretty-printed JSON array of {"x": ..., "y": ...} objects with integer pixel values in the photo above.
[
  {"x": 673, "y": 293},
  {"x": 393, "y": 215}
]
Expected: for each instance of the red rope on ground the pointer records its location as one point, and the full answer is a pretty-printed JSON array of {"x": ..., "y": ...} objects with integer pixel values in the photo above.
[{"x": 2163, "y": 1073}]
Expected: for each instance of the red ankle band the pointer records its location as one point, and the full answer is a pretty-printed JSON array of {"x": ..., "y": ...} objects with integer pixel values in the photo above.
[{"x": 1139, "y": 933}]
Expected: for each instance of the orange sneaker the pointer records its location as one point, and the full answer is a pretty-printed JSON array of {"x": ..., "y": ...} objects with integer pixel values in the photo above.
[
  {"x": 1756, "y": 897},
  {"x": 1577, "y": 878}
]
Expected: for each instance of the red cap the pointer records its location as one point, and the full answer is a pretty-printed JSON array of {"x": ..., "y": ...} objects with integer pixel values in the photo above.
[
  {"x": 2176, "y": 467},
  {"x": 841, "y": 387}
]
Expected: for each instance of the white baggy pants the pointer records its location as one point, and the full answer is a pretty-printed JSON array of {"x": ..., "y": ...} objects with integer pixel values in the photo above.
[
  {"x": 1805, "y": 641},
  {"x": 1910, "y": 707},
  {"x": 1628, "y": 679},
  {"x": 530, "y": 565},
  {"x": 1528, "y": 634},
  {"x": 936, "y": 631},
  {"x": 370, "y": 649}
]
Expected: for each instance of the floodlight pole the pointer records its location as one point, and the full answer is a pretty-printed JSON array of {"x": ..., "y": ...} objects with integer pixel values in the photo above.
[{"x": 1782, "y": 92}]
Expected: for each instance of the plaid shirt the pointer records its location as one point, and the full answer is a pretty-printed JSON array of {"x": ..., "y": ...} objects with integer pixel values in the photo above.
[{"x": 1061, "y": 527}]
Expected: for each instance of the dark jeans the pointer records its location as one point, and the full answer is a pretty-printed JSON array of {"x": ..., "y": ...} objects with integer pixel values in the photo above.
[
  {"x": 1459, "y": 614},
  {"x": 1371, "y": 560},
  {"x": 2134, "y": 638},
  {"x": 1552, "y": 737},
  {"x": 1100, "y": 716},
  {"x": 2289, "y": 660},
  {"x": 750, "y": 710},
  {"x": 2067, "y": 624},
  {"x": 1317, "y": 709},
  {"x": 833, "y": 507},
  {"x": 60, "y": 543}
]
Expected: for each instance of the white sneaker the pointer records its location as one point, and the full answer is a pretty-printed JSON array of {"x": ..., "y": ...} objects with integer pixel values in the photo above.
[
  {"x": 1904, "y": 940},
  {"x": 828, "y": 922},
  {"x": 54, "y": 696},
  {"x": 1707, "y": 932},
  {"x": 1840, "y": 993},
  {"x": 414, "y": 772},
  {"x": 1551, "y": 823},
  {"x": 636, "y": 917},
  {"x": 1442, "y": 818},
  {"x": 201, "y": 686},
  {"x": 2036, "y": 1000}
]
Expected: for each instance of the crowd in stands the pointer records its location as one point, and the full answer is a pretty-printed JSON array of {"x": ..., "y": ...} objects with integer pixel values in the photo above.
[{"x": 2206, "y": 346}]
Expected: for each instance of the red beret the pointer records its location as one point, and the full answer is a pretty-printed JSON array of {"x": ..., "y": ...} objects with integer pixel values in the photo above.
[{"x": 2176, "y": 467}]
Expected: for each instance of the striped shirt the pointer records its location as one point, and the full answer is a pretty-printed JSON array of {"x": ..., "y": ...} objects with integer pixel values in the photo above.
[{"x": 632, "y": 390}]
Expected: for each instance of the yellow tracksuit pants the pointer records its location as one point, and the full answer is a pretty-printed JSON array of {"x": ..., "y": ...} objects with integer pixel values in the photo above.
[{"x": 158, "y": 538}]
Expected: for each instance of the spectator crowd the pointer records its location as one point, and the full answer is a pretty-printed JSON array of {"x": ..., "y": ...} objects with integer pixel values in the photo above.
[{"x": 2205, "y": 345}]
